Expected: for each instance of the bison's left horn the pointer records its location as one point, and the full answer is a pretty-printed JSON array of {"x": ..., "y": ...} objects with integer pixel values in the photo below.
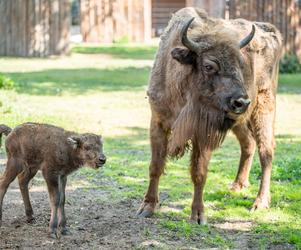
[
  {"x": 193, "y": 46},
  {"x": 244, "y": 42}
]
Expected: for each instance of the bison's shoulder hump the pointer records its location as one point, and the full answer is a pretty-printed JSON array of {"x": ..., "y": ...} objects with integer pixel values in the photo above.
[{"x": 269, "y": 35}]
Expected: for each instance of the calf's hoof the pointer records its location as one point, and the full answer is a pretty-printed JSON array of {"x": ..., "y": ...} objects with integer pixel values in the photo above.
[
  {"x": 261, "y": 203},
  {"x": 146, "y": 210},
  {"x": 237, "y": 186},
  {"x": 53, "y": 233},
  {"x": 30, "y": 220},
  {"x": 199, "y": 217},
  {"x": 65, "y": 231}
]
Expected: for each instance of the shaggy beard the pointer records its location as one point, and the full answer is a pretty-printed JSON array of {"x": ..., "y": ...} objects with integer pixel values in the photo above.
[{"x": 199, "y": 125}]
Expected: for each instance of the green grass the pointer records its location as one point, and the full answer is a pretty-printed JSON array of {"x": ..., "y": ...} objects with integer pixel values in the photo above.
[
  {"x": 104, "y": 92},
  {"x": 119, "y": 50},
  {"x": 290, "y": 83}
]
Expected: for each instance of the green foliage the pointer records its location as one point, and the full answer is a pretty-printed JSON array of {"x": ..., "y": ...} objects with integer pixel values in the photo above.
[
  {"x": 290, "y": 64},
  {"x": 6, "y": 83}
]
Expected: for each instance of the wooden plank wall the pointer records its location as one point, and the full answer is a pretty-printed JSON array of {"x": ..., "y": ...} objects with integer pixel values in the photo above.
[
  {"x": 34, "y": 27},
  {"x": 161, "y": 13},
  {"x": 111, "y": 20},
  {"x": 284, "y": 14}
]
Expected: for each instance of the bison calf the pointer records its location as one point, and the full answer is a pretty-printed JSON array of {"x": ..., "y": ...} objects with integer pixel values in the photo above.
[{"x": 56, "y": 153}]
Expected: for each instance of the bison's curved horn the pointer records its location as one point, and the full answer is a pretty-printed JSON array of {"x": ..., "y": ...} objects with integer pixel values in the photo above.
[
  {"x": 244, "y": 42},
  {"x": 193, "y": 46}
]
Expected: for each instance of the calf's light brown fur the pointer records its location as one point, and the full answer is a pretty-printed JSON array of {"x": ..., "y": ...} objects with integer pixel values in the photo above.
[{"x": 56, "y": 152}]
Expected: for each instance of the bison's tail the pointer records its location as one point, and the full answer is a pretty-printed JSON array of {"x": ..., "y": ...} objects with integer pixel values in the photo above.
[{"x": 4, "y": 130}]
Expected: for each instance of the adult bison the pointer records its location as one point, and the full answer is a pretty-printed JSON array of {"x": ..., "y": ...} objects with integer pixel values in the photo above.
[{"x": 209, "y": 76}]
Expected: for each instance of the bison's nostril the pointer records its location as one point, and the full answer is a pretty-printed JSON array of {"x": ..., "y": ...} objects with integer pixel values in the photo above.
[{"x": 239, "y": 105}]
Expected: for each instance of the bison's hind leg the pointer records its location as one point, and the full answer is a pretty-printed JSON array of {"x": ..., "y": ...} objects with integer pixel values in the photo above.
[
  {"x": 24, "y": 177},
  {"x": 247, "y": 147},
  {"x": 13, "y": 168}
]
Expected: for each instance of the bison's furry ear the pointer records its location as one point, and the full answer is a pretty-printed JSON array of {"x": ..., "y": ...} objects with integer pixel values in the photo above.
[
  {"x": 183, "y": 55},
  {"x": 74, "y": 141}
]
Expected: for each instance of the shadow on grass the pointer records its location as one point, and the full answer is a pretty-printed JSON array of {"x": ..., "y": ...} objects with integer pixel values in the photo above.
[
  {"x": 123, "y": 52},
  {"x": 79, "y": 81}
]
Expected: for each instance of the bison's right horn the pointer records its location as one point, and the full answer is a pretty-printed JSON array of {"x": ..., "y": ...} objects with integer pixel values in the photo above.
[
  {"x": 193, "y": 46},
  {"x": 244, "y": 42}
]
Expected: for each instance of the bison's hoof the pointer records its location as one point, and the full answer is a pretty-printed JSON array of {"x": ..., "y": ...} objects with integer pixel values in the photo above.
[
  {"x": 260, "y": 203},
  {"x": 236, "y": 186},
  {"x": 200, "y": 218},
  {"x": 146, "y": 210}
]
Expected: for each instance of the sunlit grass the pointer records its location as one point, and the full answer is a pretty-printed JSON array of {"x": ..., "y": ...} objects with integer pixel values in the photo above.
[{"x": 105, "y": 94}]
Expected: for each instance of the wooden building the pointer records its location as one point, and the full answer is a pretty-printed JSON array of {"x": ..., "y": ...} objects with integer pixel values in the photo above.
[
  {"x": 140, "y": 20},
  {"x": 137, "y": 20},
  {"x": 34, "y": 27}
]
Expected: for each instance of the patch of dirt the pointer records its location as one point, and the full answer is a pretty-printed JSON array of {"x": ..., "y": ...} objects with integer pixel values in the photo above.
[{"x": 97, "y": 221}]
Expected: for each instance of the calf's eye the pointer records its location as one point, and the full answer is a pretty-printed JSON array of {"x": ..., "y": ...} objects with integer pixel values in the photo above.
[{"x": 87, "y": 147}]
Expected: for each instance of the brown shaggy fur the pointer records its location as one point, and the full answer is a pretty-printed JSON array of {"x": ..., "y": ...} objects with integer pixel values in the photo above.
[
  {"x": 190, "y": 102},
  {"x": 31, "y": 147}
]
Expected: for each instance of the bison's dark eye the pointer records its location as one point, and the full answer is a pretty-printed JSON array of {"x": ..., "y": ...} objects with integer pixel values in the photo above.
[
  {"x": 208, "y": 67},
  {"x": 87, "y": 147}
]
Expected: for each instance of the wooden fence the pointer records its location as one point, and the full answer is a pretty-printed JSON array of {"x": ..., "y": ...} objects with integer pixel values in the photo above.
[
  {"x": 284, "y": 14},
  {"x": 34, "y": 27},
  {"x": 114, "y": 20}
]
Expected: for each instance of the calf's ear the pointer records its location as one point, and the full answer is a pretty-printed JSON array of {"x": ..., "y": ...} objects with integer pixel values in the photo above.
[
  {"x": 74, "y": 141},
  {"x": 183, "y": 55}
]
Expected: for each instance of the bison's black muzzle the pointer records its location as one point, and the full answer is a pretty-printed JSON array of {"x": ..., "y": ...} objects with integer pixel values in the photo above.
[{"x": 239, "y": 105}]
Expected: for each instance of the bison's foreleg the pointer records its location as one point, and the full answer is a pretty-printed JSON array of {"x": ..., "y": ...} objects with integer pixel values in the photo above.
[
  {"x": 24, "y": 177},
  {"x": 199, "y": 168},
  {"x": 158, "y": 137},
  {"x": 61, "y": 210},
  {"x": 265, "y": 140},
  {"x": 247, "y": 146}
]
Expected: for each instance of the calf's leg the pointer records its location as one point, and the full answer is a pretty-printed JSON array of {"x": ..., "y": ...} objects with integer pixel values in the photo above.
[
  {"x": 158, "y": 137},
  {"x": 24, "y": 177},
  {"x": 54, "y": 198},
  {"x": 13, "y": 167},
  {"x": 61, "y": 210},
  {"x": 198, "y": 170},
  {"x": 247, "y": 146}
]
